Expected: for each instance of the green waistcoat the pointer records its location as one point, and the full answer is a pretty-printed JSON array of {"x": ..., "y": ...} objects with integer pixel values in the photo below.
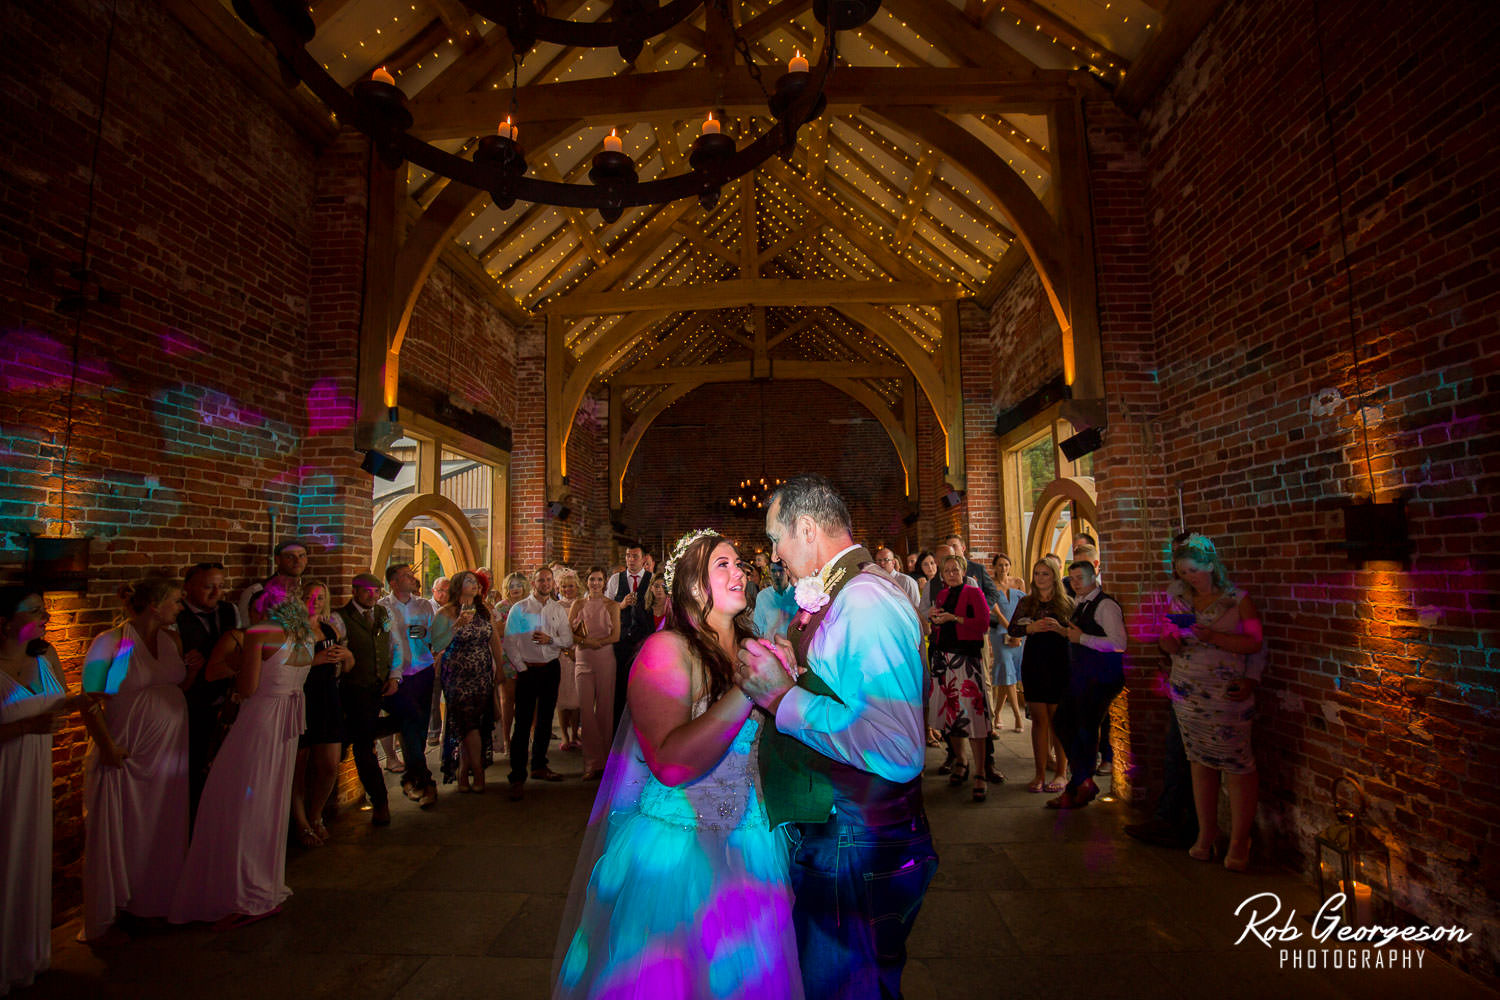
[{"x": 794, "y": 777}]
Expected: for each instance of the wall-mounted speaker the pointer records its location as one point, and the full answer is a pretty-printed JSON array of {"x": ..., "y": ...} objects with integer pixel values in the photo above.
[
  {"x": 558, "y": 510},
  {"x": 1080, "y": 444},
  {"x": 378, "y": 463},
  {"x": 952, "y": 499}
]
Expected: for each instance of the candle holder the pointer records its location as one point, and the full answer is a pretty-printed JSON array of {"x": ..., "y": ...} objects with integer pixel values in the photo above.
[
  {"x": 1355, "y": 862},
  {"x": 509, "y": 161},
  {"x": 842, "y": 15},
  {"x": 384, "y": 104},
  {"x": 788, "y": 88},
  {"x": 710, "y": 150},
  {"x": 613, "y": 172}
]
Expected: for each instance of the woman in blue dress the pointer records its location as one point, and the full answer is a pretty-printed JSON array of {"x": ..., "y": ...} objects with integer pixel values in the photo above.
[
  {"x": 1007, "y": 650},
  {"x": 682, "y": 889}
]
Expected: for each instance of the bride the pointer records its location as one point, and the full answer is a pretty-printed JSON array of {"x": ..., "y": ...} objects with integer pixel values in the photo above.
[{"x": 681, "y": 889}]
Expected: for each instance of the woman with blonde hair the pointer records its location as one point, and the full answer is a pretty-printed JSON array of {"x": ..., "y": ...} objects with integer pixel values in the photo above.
[
  {"x": 568, "y": 593},
  {"x": 595, "y": 620},
  {"x": 316, "y": 770},
  {"x": 1041, "y": 618},
  {"x": 515, "y": 590},
  {"x": 1213, "y": 634}
]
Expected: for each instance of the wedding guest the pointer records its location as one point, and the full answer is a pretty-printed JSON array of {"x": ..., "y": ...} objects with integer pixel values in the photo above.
[
  {"x": 1096, "y": 673},
  {"x": 595, "y": 622},
  {"x": 32, "y": 702},
  {"x": 1007, "y": 648},
  {"x": 1216, "y": 666},
  {"x": 911, "y": 564},
  {"x": 628, "y": 588},
  {"x": 888, "y": 562},
  {"x": 656, "y": 603},
  {"x": 367, "y": 627},
  {"x": 236, "y": 869},
  {"x": 516, "y": 588},
  {"x": 1040, "y": 619},
  {"x": 414, "y": 640},
  {"x": 567, "y": 686},
  {"x": 536, "y": 632},
  {"x": 135, "y": 809},
  {"x": 776, "y": 605},
  {"x": 1085, "y": 548},
  {"x": 959, "y": 620},
  {"x": 290, "y": 557},
  {"x": 438, "y": 597},
  {"x": 467, "y": 668},
  {"x": 927, "y": 572},
  {"x": 205, "y": 618},
  {"x": 316, "y": 768}
]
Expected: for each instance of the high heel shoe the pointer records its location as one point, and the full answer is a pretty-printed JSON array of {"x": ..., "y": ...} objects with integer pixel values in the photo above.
[
  {"x": 981, "y": 790},
  {"x": 959, "y": 775},
  {"x": 1211, "y": 853},
  {"x": 1237, "y": 862}
]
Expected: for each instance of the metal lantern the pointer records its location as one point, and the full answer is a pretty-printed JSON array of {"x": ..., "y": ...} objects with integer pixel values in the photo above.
[{"x": 1354, "y": 861}]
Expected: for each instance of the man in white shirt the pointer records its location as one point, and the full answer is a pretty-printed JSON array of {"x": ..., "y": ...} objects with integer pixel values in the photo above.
[
  {"x": 417, "y": 633},
  {"x": 291, "y": 562},
  {"x": 888, "y": 562},
  {"x": 844, "y": 764},
  {"x": 1096, "y": 673},
  {"x": 536, "y": 633}
]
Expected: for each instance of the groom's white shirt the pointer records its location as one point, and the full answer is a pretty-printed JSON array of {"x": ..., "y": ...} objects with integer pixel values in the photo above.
[{"x": 869, "y": 651}]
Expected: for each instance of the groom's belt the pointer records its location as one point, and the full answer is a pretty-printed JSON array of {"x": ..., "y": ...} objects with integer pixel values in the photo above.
[{"x": 864, "y": 799}]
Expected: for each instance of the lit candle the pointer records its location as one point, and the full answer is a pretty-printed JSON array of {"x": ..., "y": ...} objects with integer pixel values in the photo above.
[
  {"x": 509, "y": 131},
  {"x": 1364, "y": 897},
  {"x": 798, "y": 63},
  {"x": 612, "y": 143},
  {"x": 380, "y": 75},
  {"x": 710, "y": 127}
]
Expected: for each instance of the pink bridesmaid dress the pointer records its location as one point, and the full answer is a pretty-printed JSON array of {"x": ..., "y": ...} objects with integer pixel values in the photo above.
[
  {"x": 237, "y": 864},
  {"x": 26, "y": 831},
  {"x": 136, "y": 815}
]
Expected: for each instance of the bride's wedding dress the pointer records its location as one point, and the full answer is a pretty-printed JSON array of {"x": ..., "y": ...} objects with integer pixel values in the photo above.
[{"x": 680, "y": 893}]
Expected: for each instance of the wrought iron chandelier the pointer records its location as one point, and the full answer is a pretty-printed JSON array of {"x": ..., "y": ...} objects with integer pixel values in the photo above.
[
  {"x": 377, "y": 107},
  {"x": 753, "y": 494}
]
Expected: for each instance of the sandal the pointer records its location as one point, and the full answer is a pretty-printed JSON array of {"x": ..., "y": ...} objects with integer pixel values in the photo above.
[
  {"x": 237, "y": 920},
  {"x": 1037, "y": 786},
  {"x": 959, "y": 775},
  {"x": 1054, "y": 786},
  {"x": 308, "y": 837},
  {"x": 981, "y": 790}
]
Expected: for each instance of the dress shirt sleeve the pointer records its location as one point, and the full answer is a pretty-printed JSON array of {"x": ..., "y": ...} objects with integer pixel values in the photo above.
[
  {"x": 612, "y": 587},
  {"x": 1112, "y": 620},
  {"x": 560, "y": 629},
  {"x": 868, "y": 651}
]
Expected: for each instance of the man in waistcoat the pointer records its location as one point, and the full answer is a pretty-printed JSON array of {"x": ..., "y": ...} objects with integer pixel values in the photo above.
[
  {"x": 204, "y": 618},
  {"x": 629, "y": 587},
  {"x": 1096, "y": 673},
  {"x": 361, "y": 688},
  {"x": 844, "y": 763}
]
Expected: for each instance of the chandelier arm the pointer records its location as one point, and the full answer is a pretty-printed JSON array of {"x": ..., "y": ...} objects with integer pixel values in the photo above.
[
  {"x": 350, "y": 110},
  {"x": 591, "y": 34}
]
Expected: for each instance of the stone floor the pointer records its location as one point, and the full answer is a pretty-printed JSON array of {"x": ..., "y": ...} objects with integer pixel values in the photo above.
[{"x": 464, "y": 901}]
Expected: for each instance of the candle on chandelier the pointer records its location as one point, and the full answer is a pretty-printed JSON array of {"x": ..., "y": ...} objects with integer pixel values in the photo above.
[
  {"x": 381, "y": 76},
  {"x": 798, "y": 63},
  {"x": 509, "y": 131},
  {"x": 710, "y": 127},
  {"x": 612, "y": 143}
]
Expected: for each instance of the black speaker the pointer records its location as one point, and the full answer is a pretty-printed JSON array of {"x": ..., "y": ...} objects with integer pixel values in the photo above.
[
  {"x": 911, "y": 518},
  {"x": 559, "y": 510},
  {"x": 1080, "y": 444},
  {"x": 378, "y": 463},
  {"x": 952, "y": 499}
]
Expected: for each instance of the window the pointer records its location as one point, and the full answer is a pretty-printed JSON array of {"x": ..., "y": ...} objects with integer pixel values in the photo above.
[
  {"x": 470, "y": 483},
  {"x": 1036, "y": 466},
  {"x": 1030, "y": 463}
]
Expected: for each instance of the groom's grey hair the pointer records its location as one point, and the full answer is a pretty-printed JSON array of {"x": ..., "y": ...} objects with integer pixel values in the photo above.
[{"x": 815, "y": 497}]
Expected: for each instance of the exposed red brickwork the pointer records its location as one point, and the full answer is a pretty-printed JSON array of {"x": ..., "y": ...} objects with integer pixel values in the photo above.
[
  {"x": 983, "y": 521},
  {"x": 692, "y": 459},
  {"x": 1025, "y": 335},
  {"x": 528, "y": 457},
  {"x": 584, "y": 539},
  {"x": 459, "y": 346}
]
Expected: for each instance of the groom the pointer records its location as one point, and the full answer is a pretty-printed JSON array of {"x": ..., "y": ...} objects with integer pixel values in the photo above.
[{"x": 845, "y": 762}]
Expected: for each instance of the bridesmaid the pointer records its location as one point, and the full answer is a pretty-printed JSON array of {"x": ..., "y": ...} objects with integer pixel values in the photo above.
[
  {"x": 135, "y": 809},
  {"x": 31, "y": 701},
  {"x": 316, "y": 770},
  {"x": 236, "y": 870},
  {"x": 596, "y": 628}
]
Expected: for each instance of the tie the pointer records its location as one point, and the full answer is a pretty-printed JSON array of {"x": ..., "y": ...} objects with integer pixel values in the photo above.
[{"x": 635, "y": 582}]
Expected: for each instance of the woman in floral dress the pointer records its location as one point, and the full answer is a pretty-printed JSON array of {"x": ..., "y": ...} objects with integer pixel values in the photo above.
[
  {"x": 958, "y": 709},
  {"x": 468, "y": 677}
]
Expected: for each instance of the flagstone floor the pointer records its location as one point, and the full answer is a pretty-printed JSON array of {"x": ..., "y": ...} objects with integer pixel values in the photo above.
[{"x": 464, "y": 901}]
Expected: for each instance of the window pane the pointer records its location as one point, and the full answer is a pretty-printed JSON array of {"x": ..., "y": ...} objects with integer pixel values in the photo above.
[
  {"x": 1038, "y": 467},
  {"x": 387, "y": 491},
  {"x": 469, "y": 483}
]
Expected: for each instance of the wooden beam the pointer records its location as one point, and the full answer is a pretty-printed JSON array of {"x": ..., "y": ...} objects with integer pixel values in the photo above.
[
  {"x": 1083, "y": 363},
  {"x": 650, "y": 235},
  {"x": 819, "y": 202},
  {"x": 955, "y": 473},
  {"x": 1065, "y": 34},
  {"x": 1004, "y": 271},
  {"x": 620, "y": 458},
  {"x": 679, "y": 95},
  {"x": 917, "y": 361},
  {"x": 790, "y": 331},
  {"x": 545, "y": 169},
  {"x": 771, "y": 18},
  {"x": 749, "y": 232},
  {"x": 944, "y": 27},
  {"x": 744, "y": 371},
  {"x": 905, "y": 444},
  {"x": 379, "y": 342},
  {"x": 686, "y": 335},
  {"x": 916, "y": 195},
  {"x": 753, "y": 291},
  {"x": 1181, "y": 23}
]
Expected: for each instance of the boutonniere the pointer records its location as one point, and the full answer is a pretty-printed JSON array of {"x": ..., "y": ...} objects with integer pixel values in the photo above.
[{"x": 811, "y": 594}]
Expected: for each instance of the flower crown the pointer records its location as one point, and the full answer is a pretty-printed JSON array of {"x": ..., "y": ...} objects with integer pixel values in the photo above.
[
  {"x": 1200, "y": 544},
  {"x": 669, "y": 571}
]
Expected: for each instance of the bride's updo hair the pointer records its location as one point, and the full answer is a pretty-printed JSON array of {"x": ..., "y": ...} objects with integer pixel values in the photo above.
[
  {"x": 687, "y": 613},
  {"x": 147, "y": 592}
]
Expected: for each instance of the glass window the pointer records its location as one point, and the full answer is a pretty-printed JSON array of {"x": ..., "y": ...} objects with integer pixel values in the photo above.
[
  {"x": 387, "y": 491},
  {"x": 470, "y": 483},
  {"x": 1036, "y": 467}
]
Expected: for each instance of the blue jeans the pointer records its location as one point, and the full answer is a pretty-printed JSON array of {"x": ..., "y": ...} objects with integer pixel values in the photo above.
[
  {"x": 857, "y": 891},
  {"x": 411, "y": 704}
]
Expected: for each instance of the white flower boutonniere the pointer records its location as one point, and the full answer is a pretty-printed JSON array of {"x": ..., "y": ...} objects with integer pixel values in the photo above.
[{"x": 811, "y": 597}]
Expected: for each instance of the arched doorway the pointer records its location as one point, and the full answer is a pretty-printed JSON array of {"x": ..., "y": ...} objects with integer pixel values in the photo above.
[
  {"x": 1066, "y": 507},
  {"x": 429, "y": 531}
]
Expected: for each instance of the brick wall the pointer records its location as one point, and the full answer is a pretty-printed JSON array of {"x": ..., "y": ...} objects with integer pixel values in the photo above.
[
  {"x": 1229, "y": 372},
  {"x": 984, "y": 526},
  {"x": 190, "y": 405},
  {"x": 692, "y": 459},
  {"x": 528, "y": 457},
  {"x": 459, "y": 346}
]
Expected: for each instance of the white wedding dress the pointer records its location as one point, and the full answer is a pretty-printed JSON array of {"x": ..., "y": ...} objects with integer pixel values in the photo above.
[{"x": 680, "y": 893}]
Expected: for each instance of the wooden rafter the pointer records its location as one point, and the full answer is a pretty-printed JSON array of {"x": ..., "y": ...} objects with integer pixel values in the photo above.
[
  {"x": 1067, "y": 35},
  {"x": 545, "y": 169},
  {"x": 816, "y": 199},
  {"x": 754, "y": 291},
  {"x": 916, "y": 196},
  {"x": 743, "y": 371},
  {"x": 943, "y": 26},
  {"x": 1010, "y": 135}
]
